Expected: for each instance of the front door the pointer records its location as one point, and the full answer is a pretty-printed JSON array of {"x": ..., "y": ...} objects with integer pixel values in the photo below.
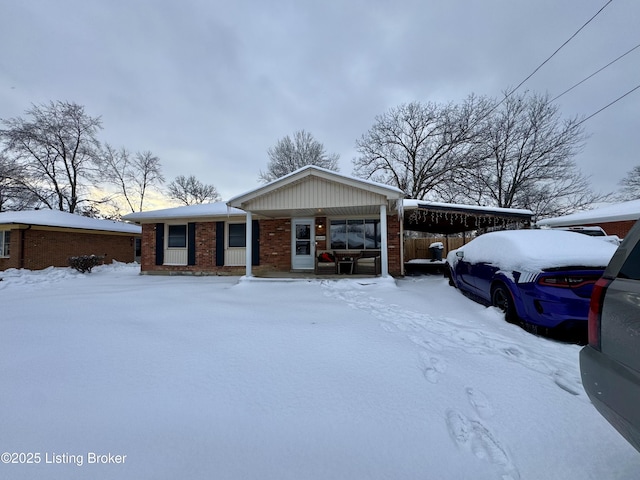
[{"x": 303, "y": 244}]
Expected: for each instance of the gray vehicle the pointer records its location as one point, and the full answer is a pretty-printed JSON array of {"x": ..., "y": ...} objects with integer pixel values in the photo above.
[{"x": 610, "y": 363}]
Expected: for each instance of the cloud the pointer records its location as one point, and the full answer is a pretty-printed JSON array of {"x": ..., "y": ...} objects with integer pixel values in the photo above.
[{"x": 209, "y": 86}]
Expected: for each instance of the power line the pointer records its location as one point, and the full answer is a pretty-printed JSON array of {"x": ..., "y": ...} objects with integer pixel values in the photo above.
[
  {"x": 607, "y": 106},
  {"x": 595, "y": 73},
  {"x": 508, "y": 94},
  {"x": 558, "y": 49}
]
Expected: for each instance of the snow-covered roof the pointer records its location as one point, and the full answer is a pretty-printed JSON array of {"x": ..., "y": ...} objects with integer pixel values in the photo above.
[
  {"x": 611, "y": 213},
  {"x": 56, "y": 218},
  {"x": 204, "y": 210},
  {"x": 534, "y": 250}
]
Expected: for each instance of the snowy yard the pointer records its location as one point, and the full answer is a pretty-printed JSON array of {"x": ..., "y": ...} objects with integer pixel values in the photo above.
[{"x": 224, "y": 378}]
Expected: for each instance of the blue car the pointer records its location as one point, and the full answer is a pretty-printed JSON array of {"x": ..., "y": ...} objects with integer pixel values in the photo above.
[{"x": 541, "y": 279}]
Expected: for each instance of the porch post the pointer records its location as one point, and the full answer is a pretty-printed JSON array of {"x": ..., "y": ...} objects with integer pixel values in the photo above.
[
  {"x": 384, "y": 254},
  {"x": 249, "y": 244}
]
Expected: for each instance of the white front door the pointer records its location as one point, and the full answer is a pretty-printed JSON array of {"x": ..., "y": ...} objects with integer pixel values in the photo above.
[{"x": 303, "y": 243}]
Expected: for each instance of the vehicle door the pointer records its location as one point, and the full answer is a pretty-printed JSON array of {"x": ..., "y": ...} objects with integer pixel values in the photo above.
[{"x": 465, "y": 273}]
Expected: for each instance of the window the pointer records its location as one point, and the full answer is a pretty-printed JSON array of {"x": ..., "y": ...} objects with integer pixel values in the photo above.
[
  {"x": 177, "y": 236},
  {"x": 631, "y": 267},
  {"x": 5, "y": 242},
  {"x": 355, "y": 234},
  {"x": 237, "y": 235}
]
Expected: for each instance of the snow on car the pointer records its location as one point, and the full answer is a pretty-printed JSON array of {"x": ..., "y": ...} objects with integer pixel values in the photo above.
[{"x": 540, "y": 278}]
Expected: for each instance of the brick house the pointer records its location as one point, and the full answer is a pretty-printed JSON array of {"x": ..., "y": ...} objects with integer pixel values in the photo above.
[
  {"x": 37, "y": 239},
  {"x": 614, "y": 219},
  {"x": 279, "y": 227}
]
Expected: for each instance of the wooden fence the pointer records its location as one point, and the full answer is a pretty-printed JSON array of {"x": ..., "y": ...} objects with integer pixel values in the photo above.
[{"x": 419, "y": 247}]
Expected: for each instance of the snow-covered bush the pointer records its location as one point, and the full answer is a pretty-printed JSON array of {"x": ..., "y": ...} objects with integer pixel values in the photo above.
[{"x": 85, "y": 263}]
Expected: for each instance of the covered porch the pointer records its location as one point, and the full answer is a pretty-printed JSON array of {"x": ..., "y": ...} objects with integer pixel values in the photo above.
[{"x": 313, "y": 211}]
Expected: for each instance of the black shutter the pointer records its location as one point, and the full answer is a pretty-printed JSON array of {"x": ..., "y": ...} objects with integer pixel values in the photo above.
[
  {"x": 219, "y": 244},
  {"x": 159, "y": 243},
  {"x": 191, "y": 244},
  {"x": 255, "y": 242}
]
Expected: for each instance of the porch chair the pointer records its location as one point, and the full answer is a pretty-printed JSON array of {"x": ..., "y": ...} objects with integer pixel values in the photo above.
[
  {"x": 368, "y": 263},
  {"x": 324, "y": 265}
]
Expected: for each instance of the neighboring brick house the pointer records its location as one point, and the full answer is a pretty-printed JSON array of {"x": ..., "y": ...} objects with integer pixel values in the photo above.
[
  {"x": 37, "y": 239},
  {"x": 616, "y": 219},
  {"x": 278, "y": 227}
]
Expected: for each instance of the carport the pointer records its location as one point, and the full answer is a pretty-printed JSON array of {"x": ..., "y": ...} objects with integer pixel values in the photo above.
[
  {"x": 456, "y": 221},
  {"x": 450, "y": 218}
]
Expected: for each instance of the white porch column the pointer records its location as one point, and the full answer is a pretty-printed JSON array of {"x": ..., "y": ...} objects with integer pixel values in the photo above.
[
  {"x": 384, "y": 253},
  {"x": 249, "y": 244}
]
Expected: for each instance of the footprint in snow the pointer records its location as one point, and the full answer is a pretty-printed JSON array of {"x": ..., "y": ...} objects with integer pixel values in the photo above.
[
  {"x": 474, "y": 436},
  {"x": 426, "y": 342},
  {"x": 459, "y": 427},
  {"x": 567, "y": 382},
  {"x": 432, "y": 367},
  {"x": 388, "y": 327},
  {"x": 480, "y": 403}
]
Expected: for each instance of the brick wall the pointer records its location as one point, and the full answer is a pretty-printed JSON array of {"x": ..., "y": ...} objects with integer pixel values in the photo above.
[
  {"x": 275, "y": 245},
  {"x": 46, "y": 248},
  {"x": 617, "y": 228},
  {"x": 205, "y": 253},
  {"x": 148, "y": 246},
  {"x": 393, "y": 240},
  {"x": 275, "y": 248}
]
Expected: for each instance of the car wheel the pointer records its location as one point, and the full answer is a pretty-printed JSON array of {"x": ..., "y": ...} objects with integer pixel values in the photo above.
[
  {"x": 501, "y": 298},
  {"x": 449, "y": 274}
]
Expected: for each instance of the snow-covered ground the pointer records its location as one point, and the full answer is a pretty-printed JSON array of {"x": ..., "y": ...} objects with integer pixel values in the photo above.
[{"x": 226, "y": 378}]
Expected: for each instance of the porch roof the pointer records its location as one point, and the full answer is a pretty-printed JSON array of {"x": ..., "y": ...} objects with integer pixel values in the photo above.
[{"x": 312, "y": 191}]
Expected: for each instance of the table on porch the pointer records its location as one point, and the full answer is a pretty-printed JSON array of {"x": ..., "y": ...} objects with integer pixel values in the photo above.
[{"x": 346, "y": 261}]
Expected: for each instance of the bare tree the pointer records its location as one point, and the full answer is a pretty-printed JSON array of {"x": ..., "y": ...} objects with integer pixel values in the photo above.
[
  {"x": 630, "y": 185},
  {"x": 528, "y": 160},
  {"x": 132, "y": 175},
  {"x": 58, "y": 149},
  {"x": 13, "y": 195},
  {"x": 416, "y": 146},
  {"x": 289, "y": 155},
  {"x": 190, "y": 191}
]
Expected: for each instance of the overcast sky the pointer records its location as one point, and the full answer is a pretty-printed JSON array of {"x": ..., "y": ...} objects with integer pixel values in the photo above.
[{"x": 209, "y": 86}]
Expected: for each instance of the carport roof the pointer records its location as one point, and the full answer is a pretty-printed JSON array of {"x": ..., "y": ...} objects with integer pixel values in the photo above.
[{"x": 449, "y": 218}]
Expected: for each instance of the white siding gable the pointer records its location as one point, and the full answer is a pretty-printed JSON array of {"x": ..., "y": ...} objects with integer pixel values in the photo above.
[{"x": 314, "y": 192}]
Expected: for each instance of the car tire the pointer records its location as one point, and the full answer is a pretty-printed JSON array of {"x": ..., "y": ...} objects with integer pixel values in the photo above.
[
  {"x": 501, "y": 298},
  {"x": 449, "y": 274}
]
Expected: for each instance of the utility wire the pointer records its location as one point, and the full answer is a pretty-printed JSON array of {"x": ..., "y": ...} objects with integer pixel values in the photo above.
[
  {"x": 595, "y": 73},
  {"x": 558, "y": 49},
  {"x": 607, "y": 106},
  {"x": 508, "y": 94}
]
